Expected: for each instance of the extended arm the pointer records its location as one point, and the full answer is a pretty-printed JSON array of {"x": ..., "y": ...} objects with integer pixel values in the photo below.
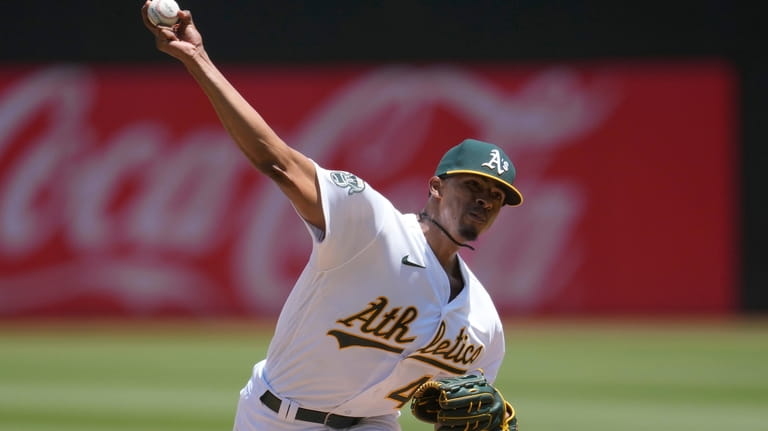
[{"x": 293, "y": 172}]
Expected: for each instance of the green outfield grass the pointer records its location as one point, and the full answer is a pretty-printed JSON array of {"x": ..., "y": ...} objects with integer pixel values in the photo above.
[{"x": 567, "y": 376}]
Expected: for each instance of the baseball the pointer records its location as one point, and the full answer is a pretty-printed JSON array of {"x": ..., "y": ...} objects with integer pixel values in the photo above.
[{"x": 163, "y": 12}]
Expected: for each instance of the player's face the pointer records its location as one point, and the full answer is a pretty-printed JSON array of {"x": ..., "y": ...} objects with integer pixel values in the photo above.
[{"x": 472, "y": 203}]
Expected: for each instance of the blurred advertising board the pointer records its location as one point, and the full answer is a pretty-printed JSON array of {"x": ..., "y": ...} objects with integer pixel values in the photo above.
[{"x": 120, "y": 193}]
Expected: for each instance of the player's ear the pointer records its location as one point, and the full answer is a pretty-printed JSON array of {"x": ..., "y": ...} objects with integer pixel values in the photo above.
[{"x": 435, "y": 187}]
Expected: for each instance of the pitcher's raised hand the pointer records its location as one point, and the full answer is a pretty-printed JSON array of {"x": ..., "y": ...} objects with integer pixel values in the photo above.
[{"x": 181, "y": 41}]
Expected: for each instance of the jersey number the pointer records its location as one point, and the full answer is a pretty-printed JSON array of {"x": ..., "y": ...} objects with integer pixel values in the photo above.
[{"x": 405, "y": 393}]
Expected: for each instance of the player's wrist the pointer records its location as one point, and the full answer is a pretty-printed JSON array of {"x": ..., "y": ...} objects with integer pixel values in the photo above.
[{"x": 198, "y": 61}]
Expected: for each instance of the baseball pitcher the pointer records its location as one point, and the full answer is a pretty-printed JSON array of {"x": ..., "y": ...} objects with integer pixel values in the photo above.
[{"x": 385, "y": 312}]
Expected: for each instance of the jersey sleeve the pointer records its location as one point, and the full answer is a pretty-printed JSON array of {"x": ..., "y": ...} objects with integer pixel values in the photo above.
[{"x": 354, "y": 213}]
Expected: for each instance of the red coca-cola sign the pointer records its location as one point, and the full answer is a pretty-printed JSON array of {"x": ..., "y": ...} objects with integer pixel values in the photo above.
[{"x": 121, "y": 194}]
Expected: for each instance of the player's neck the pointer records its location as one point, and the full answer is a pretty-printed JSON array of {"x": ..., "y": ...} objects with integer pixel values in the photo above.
[
  {"x": 447, "y": 254},
  {"x": 444, "y": 248},
  {"x": 455, "y": 278}
]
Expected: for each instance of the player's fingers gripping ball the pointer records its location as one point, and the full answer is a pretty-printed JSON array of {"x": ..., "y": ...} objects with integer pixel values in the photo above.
[
  {"x": 163, "y": 12},
  {"x": 463, "y": 403}
]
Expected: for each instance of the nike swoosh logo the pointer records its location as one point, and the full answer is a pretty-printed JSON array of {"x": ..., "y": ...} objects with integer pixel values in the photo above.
[{"x": 407, "y": 262}]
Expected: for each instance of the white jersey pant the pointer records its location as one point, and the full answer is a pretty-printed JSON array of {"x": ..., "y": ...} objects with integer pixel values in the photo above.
[{"x": 253, "y": 415}]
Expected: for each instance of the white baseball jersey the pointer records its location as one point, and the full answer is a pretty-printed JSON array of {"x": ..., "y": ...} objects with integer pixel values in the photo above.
[{"x": 369, "y": 319}]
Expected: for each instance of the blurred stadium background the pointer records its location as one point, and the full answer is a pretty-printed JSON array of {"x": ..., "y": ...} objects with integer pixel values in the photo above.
[{"x": 142, "y": 262}]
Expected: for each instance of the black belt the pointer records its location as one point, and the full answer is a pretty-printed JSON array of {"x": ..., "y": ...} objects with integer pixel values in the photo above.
[{"x": 334, "y": 421}]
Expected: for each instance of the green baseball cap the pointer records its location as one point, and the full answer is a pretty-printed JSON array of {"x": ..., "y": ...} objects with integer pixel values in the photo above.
[{"x": 485, "y": 159}]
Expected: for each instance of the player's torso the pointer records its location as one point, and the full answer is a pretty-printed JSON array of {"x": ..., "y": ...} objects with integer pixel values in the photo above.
[{"x": 367, "y": 333}]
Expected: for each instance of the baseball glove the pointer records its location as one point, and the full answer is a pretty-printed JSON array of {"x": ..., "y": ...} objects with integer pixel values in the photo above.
[{"x": 463, "y": 403}]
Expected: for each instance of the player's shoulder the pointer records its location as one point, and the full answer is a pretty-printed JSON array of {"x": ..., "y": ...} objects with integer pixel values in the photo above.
[
  {"x": 477, "y": 289},
  {"x": 469, "y": 276},
  {"x": 346, "y": 184},
  {"x": 349, "y": 181}
]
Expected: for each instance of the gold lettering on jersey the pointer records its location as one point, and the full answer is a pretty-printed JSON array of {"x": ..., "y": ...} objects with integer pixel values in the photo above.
[
  {"x": 378, "y": 323},
  {"x": 381, "y": 324},
  {"x": 449, "y": 354}
]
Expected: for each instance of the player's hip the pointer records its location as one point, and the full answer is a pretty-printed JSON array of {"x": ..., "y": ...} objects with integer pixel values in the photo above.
[{"x": 260, "y": 408}]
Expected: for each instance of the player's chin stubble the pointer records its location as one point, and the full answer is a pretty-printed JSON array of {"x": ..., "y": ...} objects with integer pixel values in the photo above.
[{"x": 469, "y": 233}]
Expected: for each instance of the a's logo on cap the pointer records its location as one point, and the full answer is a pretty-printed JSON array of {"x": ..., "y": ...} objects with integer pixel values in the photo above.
[{"x": 497, "y": 163}]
